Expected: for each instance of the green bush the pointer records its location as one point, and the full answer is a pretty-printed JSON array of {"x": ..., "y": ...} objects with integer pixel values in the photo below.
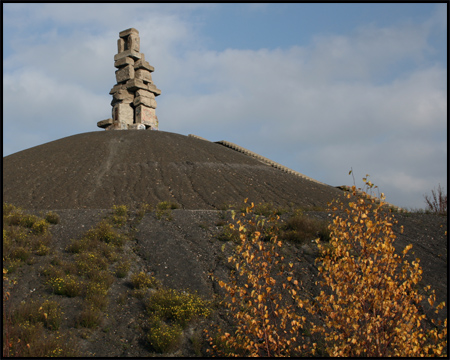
[
  {"x": 105, "y": 232},
  {"x": 67, "y": 285},
  {"x": 90, "y": 317},
  {"x": 141, "y": 280},
  {"x": 40, "y": 227},
  {"x": 51, "y": 314},
  {"x": 122, "y": 268},
  {"x": 300, "y": 228},
  {"x": 175, "y": 306},
  {"x": 52, "y": 218},
  {"x": 163, "y": 337},
  {"x": 167, "y": 205}
]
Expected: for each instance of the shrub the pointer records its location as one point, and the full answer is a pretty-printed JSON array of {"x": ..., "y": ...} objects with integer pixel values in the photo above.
[
  {"x": 40, "y": 227},
  {"x": 267, "y": 209},
  {"x": 89, "y": 263},
  {"x": 142, "y": 280},
  {"x": 105, "y": 232},
  {"x": 371, "y": 300},
  {"x": 164, "y": 209},
  {"x": 122, "y": 268},
  {"x": 42, "y": 250},
  {"x": 163, "y": 337},
  {"x": 265, "y": 321},
  {"x": 167, "y": 205},
  {"x": 28, "y": 220},
  {"x": 229, "y": 233},
  {"x": 143, "y": 208},
  {"x": 120, "y": 210},
  {"x": 300, "y": 228},
  {"x": 90, "y": 317},
  {"x": 176, "y": 306},
  {"x": 52, "y": 217},
  {"x": 67, "y": 285},
  {"x": 51, "y": 314},
  {"x": 20, "y": 253},
  {"x": 437, "y": 203}
]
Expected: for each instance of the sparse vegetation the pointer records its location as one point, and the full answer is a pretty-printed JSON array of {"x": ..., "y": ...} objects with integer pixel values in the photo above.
[
  {"x": 169, "y": 313},
  {"x": 300, "y": 228},
  {"x": 437, "y": 202},
  {"x": 142, "y": 280},
  {"x": 164, "y": 210},
  {"x": 262, "y": 308}
]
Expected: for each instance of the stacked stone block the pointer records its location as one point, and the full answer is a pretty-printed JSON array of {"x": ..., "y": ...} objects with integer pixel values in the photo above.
[{"x": 133, "y": 104}]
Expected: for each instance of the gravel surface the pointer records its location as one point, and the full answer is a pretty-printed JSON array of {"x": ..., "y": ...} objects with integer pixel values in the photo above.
[
  {"x": 96, "y": 170},
  {"x": 82, "y": 175}
]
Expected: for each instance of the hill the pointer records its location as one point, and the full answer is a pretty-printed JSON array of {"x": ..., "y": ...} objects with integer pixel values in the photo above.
[
  {"x": 99, "y": 169},
  {"x": 81, "y": 177}
]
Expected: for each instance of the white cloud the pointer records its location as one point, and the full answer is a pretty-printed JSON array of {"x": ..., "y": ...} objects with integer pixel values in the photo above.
[{"x": 368, "y": 100}]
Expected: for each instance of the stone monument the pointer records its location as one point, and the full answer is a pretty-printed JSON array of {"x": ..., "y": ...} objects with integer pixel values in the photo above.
[{"x": 133, "y": 104}]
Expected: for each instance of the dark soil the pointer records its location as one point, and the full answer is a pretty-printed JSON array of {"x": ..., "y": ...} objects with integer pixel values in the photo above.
[
  {"x": 99, "y": 169},
  {"x": 183, "y": 253},
  {"x": 79, "y": 175}
]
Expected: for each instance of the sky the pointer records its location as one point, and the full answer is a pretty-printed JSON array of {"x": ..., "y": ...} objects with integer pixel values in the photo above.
[{"x": 319, "y": 88}]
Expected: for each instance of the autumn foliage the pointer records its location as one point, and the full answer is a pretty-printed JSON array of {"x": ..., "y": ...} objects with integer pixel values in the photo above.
[
  {"x": 267, "y": 321},
  {"x": 370, "y": 301}
]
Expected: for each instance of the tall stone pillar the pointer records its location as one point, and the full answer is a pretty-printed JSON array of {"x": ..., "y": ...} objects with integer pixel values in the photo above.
[{"x": 133, "y": 104}]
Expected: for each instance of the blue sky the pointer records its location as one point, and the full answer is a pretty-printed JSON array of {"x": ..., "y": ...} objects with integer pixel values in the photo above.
[{"x": 319, "y": 88}]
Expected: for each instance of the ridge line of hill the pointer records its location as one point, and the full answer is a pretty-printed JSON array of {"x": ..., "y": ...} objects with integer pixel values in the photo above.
[{"x": 263, "y": 159}]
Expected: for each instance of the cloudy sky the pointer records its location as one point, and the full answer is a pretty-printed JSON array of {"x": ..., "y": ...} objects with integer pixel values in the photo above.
[{"x": 319, "y": 88}]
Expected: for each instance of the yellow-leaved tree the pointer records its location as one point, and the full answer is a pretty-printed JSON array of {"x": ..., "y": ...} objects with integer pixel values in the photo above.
[
  {"x": 266, "y": 320},
  {"x": 370, "y": 302}
]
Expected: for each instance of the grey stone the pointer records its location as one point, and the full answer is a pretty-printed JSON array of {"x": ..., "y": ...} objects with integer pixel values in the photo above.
[
  {"x": 125, "y": 74},
  {"x": 124, "y": 62},
  {"x": 133, "y": 103},
  {"x": 144, "y": 100},
  {"x": 105, "y": 123},
  {"x": 132, "y": 53},
  {"x": 153, "y": 89},
  {"x": 124, "y": 95},
  {"x": 123, "y": 112},
  {"x": 142, "y": 64},
  {"x": 127, "y": 32},
  {"x": 144, "y": 75},
  {"x": 116, "y": 88},
  {"x": 145, "y": 93}
]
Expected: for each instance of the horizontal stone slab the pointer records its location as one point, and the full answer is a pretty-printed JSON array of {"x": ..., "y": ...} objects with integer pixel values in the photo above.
[
  {"x": 105, "y": 123},
  {"x": 124, "y": 62},
  {"x": 144, "y": 100},
  {"x": 135, "y": 84},
  {"x": 133, "y": 54},
  {"x": 143, "y": 74},
  {"x": 117, "y": 88},
  {"x": 145, "y": 93},
  {"x": 124, "y": 95},
  {"x": 124, "y": 74},
  {"x": 153, "y": 89},
  {"x": 142, "y": 64},
  {"x": 127, "y": 32}
]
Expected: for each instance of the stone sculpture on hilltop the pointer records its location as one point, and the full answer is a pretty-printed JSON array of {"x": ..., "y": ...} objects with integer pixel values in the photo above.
[{"x": 133, "y": 104}]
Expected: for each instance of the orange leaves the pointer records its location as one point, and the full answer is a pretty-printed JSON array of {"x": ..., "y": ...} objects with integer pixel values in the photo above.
[
  {"x": 374, "y": 294},
  {"x": 259, "y": 312}
]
